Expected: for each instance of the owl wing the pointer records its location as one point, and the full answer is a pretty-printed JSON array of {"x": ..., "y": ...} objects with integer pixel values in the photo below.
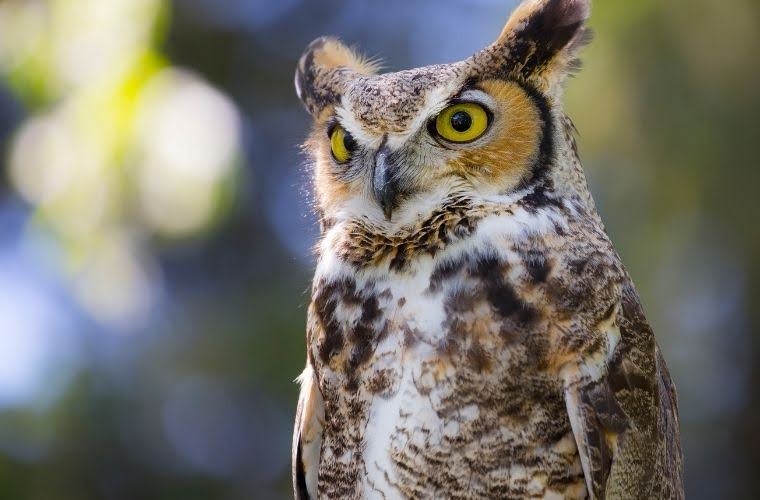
[
  {"x": 625, "y": 422},
  {"x": 307, "y": 437}
]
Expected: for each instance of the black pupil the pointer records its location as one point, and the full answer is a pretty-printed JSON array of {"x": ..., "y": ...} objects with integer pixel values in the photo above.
[
  {"x": 461, "y": 121},
  {"x": 348, "y": 141}
]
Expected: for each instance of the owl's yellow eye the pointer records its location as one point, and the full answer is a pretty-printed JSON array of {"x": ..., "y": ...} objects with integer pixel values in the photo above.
[
  {"x": 462, "y": 122},
  {"x": 341, "y": 144}
]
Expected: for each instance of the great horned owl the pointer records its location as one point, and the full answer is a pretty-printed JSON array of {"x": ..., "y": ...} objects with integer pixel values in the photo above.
[{"x": 472, "y": 332}]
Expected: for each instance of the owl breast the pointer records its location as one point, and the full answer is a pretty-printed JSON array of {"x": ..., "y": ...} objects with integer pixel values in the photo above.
[{"x": 440, "y": 380}]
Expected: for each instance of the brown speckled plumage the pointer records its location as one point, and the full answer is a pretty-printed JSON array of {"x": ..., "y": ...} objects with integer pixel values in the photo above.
[{"x": 484, "y": 340}]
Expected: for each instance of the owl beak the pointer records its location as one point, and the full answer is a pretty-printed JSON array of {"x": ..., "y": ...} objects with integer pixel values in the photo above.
[{"x": 384, "y": 181}]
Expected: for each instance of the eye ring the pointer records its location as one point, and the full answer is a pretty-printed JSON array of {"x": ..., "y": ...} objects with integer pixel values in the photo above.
[
  {"x": 342, "y": 144},
  {"x": 461, "y": 122}
]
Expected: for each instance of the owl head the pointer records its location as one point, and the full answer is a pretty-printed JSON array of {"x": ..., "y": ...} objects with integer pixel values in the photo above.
[{"x": 387, "y": 147}]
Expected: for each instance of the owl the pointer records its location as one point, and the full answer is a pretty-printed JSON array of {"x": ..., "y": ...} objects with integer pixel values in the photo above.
[{"x": 472, "y": 332}]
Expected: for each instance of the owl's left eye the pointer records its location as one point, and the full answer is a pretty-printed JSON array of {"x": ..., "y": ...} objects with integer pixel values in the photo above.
[
  {"x": 461, "y": 122},
  {"x": 342, "y": 144}
]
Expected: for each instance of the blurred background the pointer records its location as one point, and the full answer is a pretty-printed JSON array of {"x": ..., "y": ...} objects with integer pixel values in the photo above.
[{"x": 155, "y": 225}]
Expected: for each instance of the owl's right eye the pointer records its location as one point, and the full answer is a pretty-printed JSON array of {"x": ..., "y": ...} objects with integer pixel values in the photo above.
[
  {"x": 342, "y": 144},
  {"x": 461, "y": 122}
]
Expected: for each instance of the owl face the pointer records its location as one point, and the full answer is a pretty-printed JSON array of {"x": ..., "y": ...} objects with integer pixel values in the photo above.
[{"x": 384, "y": 145}]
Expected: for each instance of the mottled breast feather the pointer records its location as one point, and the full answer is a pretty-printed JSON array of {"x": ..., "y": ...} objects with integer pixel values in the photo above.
[{"x": 492, "y": 351}]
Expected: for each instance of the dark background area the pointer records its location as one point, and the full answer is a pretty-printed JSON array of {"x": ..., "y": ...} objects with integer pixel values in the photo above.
[{"x": 156, "y": 226}]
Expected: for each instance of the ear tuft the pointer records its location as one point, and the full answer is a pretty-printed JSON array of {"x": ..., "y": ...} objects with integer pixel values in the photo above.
[
  {"x": 333, "y": 54},
  {"x": 545, "y": 36},
  {"x": 561, "y": 13},
  {"x": 558, "y": 22},
  {"x": 324, "y": 69}
]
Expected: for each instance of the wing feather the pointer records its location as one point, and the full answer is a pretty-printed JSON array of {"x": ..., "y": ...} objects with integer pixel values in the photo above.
[
  {"x": 625, "y": 422},
  {"x": 307, "y": 437}
]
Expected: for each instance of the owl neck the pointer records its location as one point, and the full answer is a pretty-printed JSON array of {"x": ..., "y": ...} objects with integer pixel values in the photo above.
[
  {"x": 567, "y": 177},
  {"x": 364, "y": 243},
  {"x": 558, "y": 172}
]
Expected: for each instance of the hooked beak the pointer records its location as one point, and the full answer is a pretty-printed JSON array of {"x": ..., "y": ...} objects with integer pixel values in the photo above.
[{"x": 384, "y": 181}]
